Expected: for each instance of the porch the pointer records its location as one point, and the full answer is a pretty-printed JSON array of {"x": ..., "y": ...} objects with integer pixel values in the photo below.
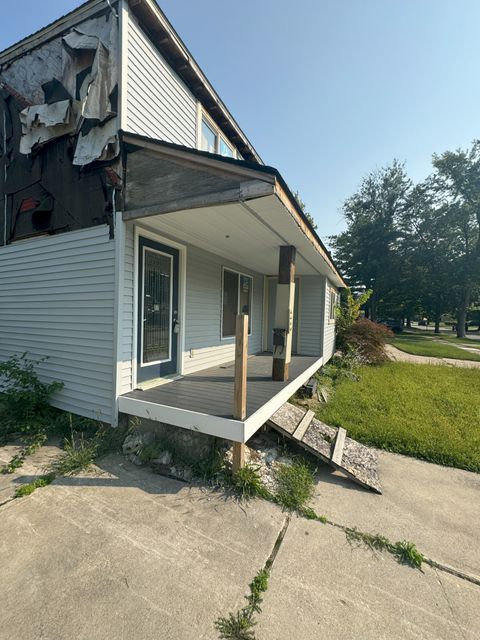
[{"x": 203, "y": 401}]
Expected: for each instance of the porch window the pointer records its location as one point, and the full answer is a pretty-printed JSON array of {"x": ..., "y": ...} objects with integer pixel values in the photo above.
[{"x": 236, "y": 299}]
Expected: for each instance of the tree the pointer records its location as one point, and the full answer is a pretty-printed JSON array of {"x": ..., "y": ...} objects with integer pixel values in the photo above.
[
  {"x": 426, "y": 248},
  {"x": 368, "y": 251},
  {"x": 457, "y": 184},
  {"x": 303, "y": 207}
]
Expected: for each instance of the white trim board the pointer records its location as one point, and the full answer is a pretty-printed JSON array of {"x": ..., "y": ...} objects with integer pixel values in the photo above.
[
  {"x": 192, "y": 420},
  {"x": 257, "y": 419}
]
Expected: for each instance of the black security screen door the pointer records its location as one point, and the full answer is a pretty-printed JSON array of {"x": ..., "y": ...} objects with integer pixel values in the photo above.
[{"x": 158, "y": 329}]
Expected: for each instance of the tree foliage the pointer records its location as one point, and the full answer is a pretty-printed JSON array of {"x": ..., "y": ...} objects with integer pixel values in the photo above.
[{"x": 416, "y": 246}]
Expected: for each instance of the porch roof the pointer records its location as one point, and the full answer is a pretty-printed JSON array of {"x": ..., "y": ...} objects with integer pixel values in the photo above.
[
  {"x": 247, "y": 210},
  {"x": 203, "y": 401}
]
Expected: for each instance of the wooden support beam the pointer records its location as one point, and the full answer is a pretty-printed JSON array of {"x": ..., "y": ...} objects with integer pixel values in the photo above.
[
  {"x": 238, "y": 459},
  {"x": 284, "y": 309},
  {"x": 241, "y": 354},
  {"x": 240, "y": 385}
]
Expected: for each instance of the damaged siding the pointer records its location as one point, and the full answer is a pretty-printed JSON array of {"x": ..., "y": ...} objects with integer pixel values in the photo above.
[
  {"x": 70, "y": 84},
  {"x": 58, "y": 105},
  {"x": 312, "y": 298},
  {"x": 57, "y": 300},
  {"x": 159, "y": 105}
]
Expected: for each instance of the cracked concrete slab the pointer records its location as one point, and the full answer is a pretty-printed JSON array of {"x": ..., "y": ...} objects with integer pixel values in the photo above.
[
  {"x": 437, "y": 508},
  {"x": 321, "y": 587},
  {"x": 123, "y": 553},
  {"x": 34, "y": 466}
]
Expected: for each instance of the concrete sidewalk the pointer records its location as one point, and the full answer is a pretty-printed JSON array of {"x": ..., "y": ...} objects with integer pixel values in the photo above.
[
  {"x": 401, "y": 356},
  {"x": 124, "y": 554}
]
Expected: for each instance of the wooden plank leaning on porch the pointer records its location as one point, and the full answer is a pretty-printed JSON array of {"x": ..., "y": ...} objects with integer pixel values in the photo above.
[{"x": 240, "y": 385}]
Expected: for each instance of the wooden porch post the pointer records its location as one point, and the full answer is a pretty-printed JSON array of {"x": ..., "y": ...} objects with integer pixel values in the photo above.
[
  {"x": 282, "y": 339},
  {"x": 240, "y": 385}
]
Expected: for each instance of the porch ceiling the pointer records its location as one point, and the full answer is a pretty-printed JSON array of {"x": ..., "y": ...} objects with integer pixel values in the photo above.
[
  {"x": 238, "y": 232},
  {"x": 239, "y": 211}
]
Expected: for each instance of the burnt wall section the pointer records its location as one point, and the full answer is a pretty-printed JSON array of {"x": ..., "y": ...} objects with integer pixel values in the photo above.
[{"x": 59, "y": 144}]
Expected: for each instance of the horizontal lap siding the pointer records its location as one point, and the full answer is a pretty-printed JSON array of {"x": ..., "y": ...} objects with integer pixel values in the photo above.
[
  {"x": 312, "y": 297},
  {"x": 57, "y": 300},
  {"x": 126, "y": 349},
  {"x": 329, "y": 332},
  {"x": 203, "y": 311},
  {"x": 159, "y": 105}
]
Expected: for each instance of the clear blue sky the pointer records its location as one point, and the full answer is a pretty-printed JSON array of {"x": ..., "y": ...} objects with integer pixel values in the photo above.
[{"x": 327, "y": 89}]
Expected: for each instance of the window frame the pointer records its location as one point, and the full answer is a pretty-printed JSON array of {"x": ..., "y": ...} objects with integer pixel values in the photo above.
[
  {"x": 204, "y": 116},
  {"x": 250, "y": 315},
  {"x": 333, "y": 306}
]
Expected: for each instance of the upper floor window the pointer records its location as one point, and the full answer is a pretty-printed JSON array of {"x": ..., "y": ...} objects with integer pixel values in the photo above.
[
  {"x": 213, "y": 141},
  {"x": 209, "y": 138},
  {"x": 226, "y": 149}
]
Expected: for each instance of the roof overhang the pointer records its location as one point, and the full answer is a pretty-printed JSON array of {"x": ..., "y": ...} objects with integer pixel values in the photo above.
[{"x": 236, "y": 209}]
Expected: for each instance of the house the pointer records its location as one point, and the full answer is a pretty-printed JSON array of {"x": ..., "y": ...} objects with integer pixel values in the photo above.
[{"x": 137, "y": 221}]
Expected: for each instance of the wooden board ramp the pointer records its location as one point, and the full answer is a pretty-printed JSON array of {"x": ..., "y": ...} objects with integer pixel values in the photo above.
[{"x": 330, "y": 444}]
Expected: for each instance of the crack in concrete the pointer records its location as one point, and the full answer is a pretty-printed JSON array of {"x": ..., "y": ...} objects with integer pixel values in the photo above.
[
  {"x": 452, "y": 611},
  {"x": 278, "y": 543},
  {"x": 431, "y": 563}
]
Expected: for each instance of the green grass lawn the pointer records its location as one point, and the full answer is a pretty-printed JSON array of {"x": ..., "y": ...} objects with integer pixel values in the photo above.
[
  {"x": 427, "y": 346},
  {"x": 427, "y": 411},
  {"x": 469, "y": 341}
]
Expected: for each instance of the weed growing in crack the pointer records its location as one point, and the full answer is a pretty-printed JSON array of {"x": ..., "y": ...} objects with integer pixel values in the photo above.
[
  {"x": 295, "y": 485},
  {"x": 405, "y": 552},
  {"x": 247, "y": 484},
  {"x": 79, "y": 454},
  {"x": 27, "y": 489},
  {"x": 32, "y": 444},
  {"x": 237, "y": 626},
  {"x": 240, "y": 625}
]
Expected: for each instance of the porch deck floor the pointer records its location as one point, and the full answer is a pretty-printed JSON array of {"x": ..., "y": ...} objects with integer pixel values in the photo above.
[{"x": 211, "y": 391}]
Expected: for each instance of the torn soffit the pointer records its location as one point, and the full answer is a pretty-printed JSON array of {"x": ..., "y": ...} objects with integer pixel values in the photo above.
[{"x": 79, "y": 97}]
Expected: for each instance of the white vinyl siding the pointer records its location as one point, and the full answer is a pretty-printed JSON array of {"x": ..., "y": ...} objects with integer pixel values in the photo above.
[
  {"x": 204, "y": 311},
  {"x": 329, "y": 327},
  {"x": 57, "y": 300},
  {"x": 312, "y": 302},
  {"x": 158, "y": 104}
]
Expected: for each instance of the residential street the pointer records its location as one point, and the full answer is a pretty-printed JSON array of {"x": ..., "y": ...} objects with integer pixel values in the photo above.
[{"x": 123, "y": 553}]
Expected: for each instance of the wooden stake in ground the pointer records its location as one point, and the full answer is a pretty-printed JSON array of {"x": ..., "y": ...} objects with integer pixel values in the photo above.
[
  {"x": 284, "y": 309},
  {"x": 240, "y": 385}
]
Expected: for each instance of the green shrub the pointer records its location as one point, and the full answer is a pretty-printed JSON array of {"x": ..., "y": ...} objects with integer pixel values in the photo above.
[
  {"x": 368, "y": 339},
  {"x": 25, "y": 398}
]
